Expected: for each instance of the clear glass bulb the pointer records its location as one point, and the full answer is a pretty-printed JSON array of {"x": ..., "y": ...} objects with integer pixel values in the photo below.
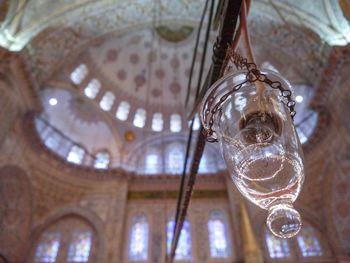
[{"x": 261, "y": 150}]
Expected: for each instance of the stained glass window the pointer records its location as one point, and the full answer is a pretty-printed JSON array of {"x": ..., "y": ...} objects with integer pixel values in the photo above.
[
  {"x": 217, "y": 236},
  {"x": 157, "y": 122},
  {"x": 107, "y": 101},
  {"x": 79, "y": 74},
  {"x": 183, "y": 250},
  {"x": 308, "y": 242},
  {"x": 140, "y": 118},
  {"x": 138, "y": 244},
  {"x": 123, "y": 111},
  {"x": 175, "y": 122},
  {"x": 92, "y": 88},
  {"x": 79, "y": 247},
  {"x": 101, "y": 160},
  {"x": 278, "y": 248},
  {"x": 175, "y": 158},
  {"x": 48, "y": 247},
  {"x": 76, "y": 155}
]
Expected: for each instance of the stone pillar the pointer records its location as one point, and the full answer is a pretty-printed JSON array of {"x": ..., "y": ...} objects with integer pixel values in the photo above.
[{"x": 251, "y": 250}]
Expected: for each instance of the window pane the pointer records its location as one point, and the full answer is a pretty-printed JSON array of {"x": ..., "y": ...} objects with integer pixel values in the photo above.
[
  {"x": 157, "y": 122},
  {"x": 217, "y": 236},
  {"x": 48, "y": 247},
  {"x": 79, "y": 74},
  {"x": 92, "y": 88},
  {"x": 52, "y": 141},
  {"x": 107, "y": 101},
  {"x": 278, "y": 248},
  {"x": 101, "y": 160},
  {"x": 138, "y": 246},
  {"x": 123, "y": 111},
  {"x": 308, "y": 242},
  {"x": 175, "y": 122},
  {"x": 79, "y": 247},
  {"x": 183, "y": 250},
  {"x": 140, "y": 118},
  {"x": 76, "y": 155},
  {"x": 152, "y": 163},
  {"x": 175, "y": 159}
]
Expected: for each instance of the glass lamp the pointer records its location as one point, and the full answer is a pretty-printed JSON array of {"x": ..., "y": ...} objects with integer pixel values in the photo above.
[{"x": 250, "y": 120}]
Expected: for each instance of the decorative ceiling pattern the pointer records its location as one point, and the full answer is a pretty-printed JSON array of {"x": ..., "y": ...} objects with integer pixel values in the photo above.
[
  {"x": 61, "y": 28},
  {"x": 146, "y": 70}
]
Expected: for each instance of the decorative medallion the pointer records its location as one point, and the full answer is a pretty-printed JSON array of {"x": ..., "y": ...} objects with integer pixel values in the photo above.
[
  {"x": 175, "y": 88},
  {"x": 156, "y": 93},
  {"x": 139, "y": 80},
  {"x": 121, "y": 74},
  {"x": 134, "y": 58},
  {"x": 160, "y": 73},
  {"x": 129, "y": 136},
  {"x": 112, "y": 55},
  {"x": 173, "y": 34}
]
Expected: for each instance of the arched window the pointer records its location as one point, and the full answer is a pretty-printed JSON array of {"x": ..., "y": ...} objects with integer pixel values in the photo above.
[
  {"x": 218, "y": 241},
  {"x": 183, "y": 250},
  {"x": 48, "y": 247},
  {"x": 277, "y": 247},
  {"x": 157, "y": 122},
  {"x": 308, "y": 242},
  {"x": 79, "y": 74},
  {"x": 79, "y": 247},
  {"x": 107, "y": 101},
  {"x": 140, "y": 118},
  {"x": 101, "y": 160},
  {"x": 175, "y": 158},
  {"x": 76, "y": 155},
  {"x": 138, "y": 241},
  {"x": 175, "y": 122},
  {"x": 69, "y": 240},
  {"x": 123, "y": 111},
  {"x": 92, "y": 88}
]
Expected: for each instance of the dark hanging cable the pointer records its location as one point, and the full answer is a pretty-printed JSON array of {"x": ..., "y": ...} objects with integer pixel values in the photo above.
[
  {"x": 195, "y": 53},
  {"x": 228, "y": 26},
  {"x": 182, "y": 183}
]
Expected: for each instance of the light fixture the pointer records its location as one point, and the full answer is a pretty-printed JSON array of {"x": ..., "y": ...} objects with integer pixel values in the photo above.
[
  {"x": 53, "y": 101},
  {"x": 258, "y": 140},
  {"x": 299, "y": 99}
]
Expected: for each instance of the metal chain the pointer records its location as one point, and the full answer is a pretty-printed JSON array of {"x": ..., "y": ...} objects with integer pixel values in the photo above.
[{"x": 253, "y": 75}]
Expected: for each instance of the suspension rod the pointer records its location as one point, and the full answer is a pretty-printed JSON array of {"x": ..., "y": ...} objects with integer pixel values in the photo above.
[{"x": 227, "y": 30}]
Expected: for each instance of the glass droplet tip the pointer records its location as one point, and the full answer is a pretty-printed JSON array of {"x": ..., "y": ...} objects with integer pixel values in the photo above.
[{"x": 284, "y": 221}]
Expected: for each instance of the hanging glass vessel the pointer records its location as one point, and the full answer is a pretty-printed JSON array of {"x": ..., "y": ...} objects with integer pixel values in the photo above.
[{"x": 247, "y": 113}]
